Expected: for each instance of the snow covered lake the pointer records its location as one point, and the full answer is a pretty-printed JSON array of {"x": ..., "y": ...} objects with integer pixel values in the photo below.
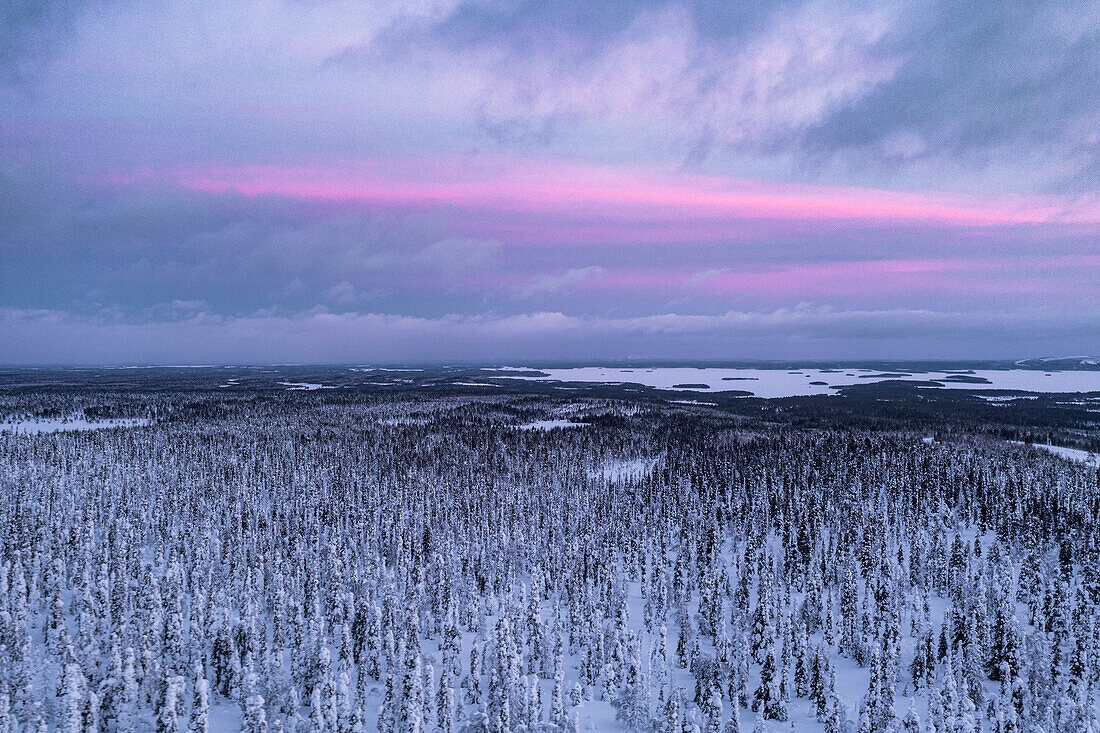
[
  {"x": 304, "y": 386},
  {"x": 771, "y": 383}
]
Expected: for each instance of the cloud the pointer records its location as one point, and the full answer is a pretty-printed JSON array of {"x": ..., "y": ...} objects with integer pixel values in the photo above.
[
  {"x": 708, "y": 274},
  {"x": 342, "y": 292},
  {"x": 532, "y": 65},
  {"x": 317, "y": 336},
  {"x": 991, "y": 95},
  {"x": 598, "y": 159},
  {"x": 534, "y": 185},
  {"x": 28, "y": 29},
  {"x": 904, "y": 93},
  {"x": 986, "y": 95},
  {"x": 511, "y": 233},
  {"x": 556, "y": 283},
  {"x": 458, "y": 255}
]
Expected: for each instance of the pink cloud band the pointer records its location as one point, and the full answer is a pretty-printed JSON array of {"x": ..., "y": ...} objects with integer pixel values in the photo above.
[{"x": 605, "y": 199}]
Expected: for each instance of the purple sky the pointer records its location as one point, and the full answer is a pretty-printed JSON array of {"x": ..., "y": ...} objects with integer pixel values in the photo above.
[{"x": 309, "y": 181}]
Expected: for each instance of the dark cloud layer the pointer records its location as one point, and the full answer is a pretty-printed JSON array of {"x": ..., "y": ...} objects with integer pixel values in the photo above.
[{"x": 982, "y": 81}]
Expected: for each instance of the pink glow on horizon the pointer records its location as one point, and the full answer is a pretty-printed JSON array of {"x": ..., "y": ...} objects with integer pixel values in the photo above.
[{"x": 614, "y": 198}]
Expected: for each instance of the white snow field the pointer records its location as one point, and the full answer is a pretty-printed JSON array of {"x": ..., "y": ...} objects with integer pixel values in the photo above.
[
  {"x": 67, "y": 424},
  {"x": 773, "y": 383},
  {"x": 550, "y": 425},
  {"x": 1070, "y": 454}
]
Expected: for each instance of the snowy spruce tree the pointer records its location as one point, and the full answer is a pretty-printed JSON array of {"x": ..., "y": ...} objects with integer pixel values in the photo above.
[{"x": 419, "y": 563}]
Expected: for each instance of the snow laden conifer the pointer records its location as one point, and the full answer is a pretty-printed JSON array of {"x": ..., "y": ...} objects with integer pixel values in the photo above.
[
  {"x": 365, "y": 561},
  {"x": 199, "y": 721}
]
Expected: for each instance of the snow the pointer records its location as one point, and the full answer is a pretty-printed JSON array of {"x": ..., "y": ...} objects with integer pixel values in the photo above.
[
  {"x": 399, "y": 421},
  {"x": 551, "y": 424},
  {"x": 625, "y": 469},
  {"x": 384, "y": 369},
  {"x": 1083, "y": 359},
  {"x": 224, "y": 718},
  {"x": 605, "y": 453},
  {"x": 40, "y": 426},
  {"x": 307, "y": 386},
  {"x": 773, "y": 383},
  {"x": 1070, "y": 454}
]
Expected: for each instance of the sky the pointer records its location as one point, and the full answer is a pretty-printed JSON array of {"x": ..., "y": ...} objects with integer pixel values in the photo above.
[{"x": 466, "y": 180}]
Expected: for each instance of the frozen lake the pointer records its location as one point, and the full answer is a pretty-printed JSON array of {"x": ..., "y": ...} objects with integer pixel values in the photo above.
[{"x": 770, "y": 383}]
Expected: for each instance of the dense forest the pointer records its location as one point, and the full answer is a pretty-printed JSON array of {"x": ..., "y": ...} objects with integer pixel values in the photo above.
[{"x": 409, "y": 563}]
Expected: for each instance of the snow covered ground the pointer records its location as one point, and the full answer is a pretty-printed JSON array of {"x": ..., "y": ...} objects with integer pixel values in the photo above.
[
  {"x": 772, "y": 383},
  {"x": 550, "y": 424},
  {"x": 630, "y": 525},
  {"x": 1071, "y": 454},
  {"x": 625, "y": 469},
  {"x": 67, "y": 424}
]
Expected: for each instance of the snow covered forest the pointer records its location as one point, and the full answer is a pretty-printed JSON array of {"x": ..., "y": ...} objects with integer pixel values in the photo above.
[{"x": 407, "y": 564}]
